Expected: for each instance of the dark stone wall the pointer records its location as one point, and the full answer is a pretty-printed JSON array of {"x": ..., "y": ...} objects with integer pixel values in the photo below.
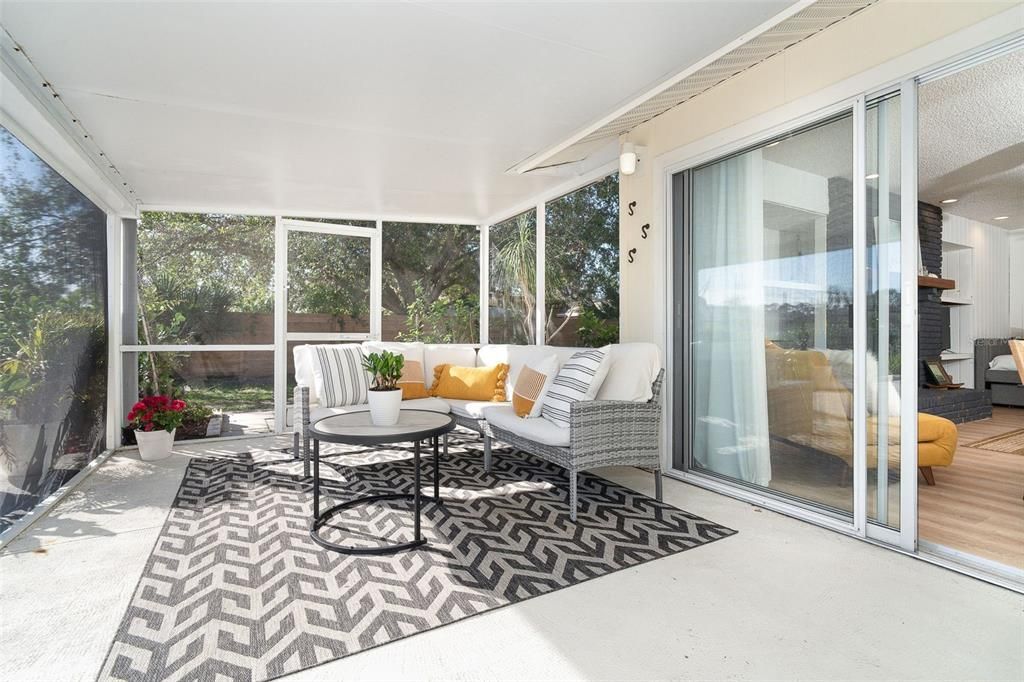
[
  {"x": 958, "y": 406},
  {"x": 933, "y": 317}
]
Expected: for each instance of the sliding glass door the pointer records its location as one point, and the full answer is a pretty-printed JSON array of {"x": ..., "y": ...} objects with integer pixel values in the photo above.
[
  {"x": 771, "y": 323},
  {"x": 792, "y": 322}
]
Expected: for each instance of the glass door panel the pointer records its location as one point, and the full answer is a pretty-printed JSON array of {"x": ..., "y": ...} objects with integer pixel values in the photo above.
[
  {"x": 771, "y": 317},
  {"x": 882, "y": 167}
]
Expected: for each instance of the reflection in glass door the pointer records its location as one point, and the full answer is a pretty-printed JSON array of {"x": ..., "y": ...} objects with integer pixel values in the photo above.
[{"x": 770, "y": 295}]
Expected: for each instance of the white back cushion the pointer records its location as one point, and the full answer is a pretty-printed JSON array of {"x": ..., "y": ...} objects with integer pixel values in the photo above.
[
  {"x": 632, "y": 369},
  {"x": 411, "y": 350},
  {"x": 303, "y": 356},
  {"x": 516, "y": 357},
  {"x": 434, "y": 354}
]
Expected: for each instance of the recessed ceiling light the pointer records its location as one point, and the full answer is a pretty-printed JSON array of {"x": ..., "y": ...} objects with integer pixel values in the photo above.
[
  {"x": 949, "y": 201},
  {"x": 773, "y": 144},
  {"x": 871, "y": 177},
  {"x": 1001, "y": 217}
]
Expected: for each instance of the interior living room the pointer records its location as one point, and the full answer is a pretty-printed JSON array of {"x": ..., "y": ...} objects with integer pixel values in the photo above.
[
  {"x": 971, "y": 307},
  {"x": 617, "y": 340}
]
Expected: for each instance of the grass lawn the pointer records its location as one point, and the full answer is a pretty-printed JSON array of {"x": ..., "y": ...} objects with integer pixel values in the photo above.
[{"x": 231, "y": 397}]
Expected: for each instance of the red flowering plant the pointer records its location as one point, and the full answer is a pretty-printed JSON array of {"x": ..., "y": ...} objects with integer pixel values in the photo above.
[{"x": 156, "y": 413}]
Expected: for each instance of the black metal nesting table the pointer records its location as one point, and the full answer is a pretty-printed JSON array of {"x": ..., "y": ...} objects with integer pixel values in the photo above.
[{"x": 357, "y": 429}]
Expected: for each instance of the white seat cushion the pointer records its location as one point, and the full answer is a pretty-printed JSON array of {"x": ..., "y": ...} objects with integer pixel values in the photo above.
[
  {"x": 474, "y": 409},
  {"x": 536, "y": 429},
  {"x": 429, "y": 404}
]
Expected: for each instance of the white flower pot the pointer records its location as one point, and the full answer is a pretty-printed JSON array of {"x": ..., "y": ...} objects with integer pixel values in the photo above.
[
  {"x": 154, "y": 445},
  {"x": 385, "y": 406}
]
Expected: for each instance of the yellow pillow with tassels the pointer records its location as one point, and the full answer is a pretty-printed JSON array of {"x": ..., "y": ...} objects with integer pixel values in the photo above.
[{"x": 470, "y": 383}]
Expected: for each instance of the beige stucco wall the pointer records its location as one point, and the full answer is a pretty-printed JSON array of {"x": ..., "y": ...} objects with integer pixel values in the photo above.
[{"x": 872, "y": 37}]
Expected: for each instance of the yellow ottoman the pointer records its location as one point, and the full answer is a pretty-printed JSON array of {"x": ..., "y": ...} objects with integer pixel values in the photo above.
[{"x": 936, "y": 444}]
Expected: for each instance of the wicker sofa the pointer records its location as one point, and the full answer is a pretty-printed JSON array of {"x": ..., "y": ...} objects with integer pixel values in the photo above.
[{"x": 622, "y": 426}]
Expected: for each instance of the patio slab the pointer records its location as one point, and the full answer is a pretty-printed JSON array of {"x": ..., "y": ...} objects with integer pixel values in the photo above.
[{"x": 784, "y": 599}]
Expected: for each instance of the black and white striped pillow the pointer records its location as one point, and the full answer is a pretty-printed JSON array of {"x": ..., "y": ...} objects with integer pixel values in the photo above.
[
  {"x": 577, "y": 380},
  {"x": 339, "y": 375}
]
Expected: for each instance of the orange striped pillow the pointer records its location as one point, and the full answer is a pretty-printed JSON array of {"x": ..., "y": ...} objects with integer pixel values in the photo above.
[
  {"x": 531, "y": 386},
  {"x": 413, "y": 383}
]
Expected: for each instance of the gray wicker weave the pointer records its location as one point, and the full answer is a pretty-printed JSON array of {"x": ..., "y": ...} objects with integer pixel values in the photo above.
[{"x": 602, "y": 433}]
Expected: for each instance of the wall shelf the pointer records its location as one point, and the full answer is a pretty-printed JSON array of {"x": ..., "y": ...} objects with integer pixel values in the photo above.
[
  {"x": 953, "y": 357},
  {"x": 935, "y": 283}
]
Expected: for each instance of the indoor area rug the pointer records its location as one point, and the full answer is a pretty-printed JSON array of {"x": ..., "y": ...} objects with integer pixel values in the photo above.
[
  {"x": 1012, "y": 443},
  {"x": 236, "y": 589}
]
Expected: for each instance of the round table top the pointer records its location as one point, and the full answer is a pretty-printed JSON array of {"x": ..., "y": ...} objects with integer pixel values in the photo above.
[{"x": 356, "y": 428}]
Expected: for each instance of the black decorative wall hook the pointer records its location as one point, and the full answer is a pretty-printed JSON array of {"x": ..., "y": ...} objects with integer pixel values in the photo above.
[
  {"x": 630, "y": 253},
  {"x": 630, "y": 207}
]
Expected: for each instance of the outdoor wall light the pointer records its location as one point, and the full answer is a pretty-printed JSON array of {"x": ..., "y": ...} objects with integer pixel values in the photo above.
[{"x": 628, "y": 158}]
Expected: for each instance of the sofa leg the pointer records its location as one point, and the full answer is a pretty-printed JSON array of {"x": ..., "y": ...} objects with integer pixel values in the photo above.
[
  {"x": 657, "y": 485},
  {"x": 487, "y": 454},
  {"x": 296, "y": 453},
  {"x": 929, "y": 475},
  {"x": 573, "y": 500}
]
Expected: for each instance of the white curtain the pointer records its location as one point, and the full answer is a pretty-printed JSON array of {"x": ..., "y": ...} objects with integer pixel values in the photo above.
[{"x": 730, "y": 399}]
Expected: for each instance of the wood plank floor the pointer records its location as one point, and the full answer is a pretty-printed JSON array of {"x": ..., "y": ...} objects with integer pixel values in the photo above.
[{"x": 976, "y": 504}]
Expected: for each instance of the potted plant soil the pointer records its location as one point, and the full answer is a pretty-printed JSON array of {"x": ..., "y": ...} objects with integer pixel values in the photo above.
[
  {"x": 154, "y": 419},
  {"x": 385, "y": 397}
]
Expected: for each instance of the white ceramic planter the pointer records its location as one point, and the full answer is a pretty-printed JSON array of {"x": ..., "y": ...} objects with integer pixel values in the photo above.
[
  {"x": 154, "y": 445},
  {"x": 385, "y": 406}
]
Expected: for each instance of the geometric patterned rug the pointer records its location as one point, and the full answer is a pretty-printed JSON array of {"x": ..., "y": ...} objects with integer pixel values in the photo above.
[
  {"x": 1010, "y": 443},
  {"x": 235, "y": 589}
]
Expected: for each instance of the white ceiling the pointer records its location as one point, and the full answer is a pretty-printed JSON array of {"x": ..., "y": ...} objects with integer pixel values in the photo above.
[
  {"x": 410, "y": 109},
  {"x": 972, "y": 141}
]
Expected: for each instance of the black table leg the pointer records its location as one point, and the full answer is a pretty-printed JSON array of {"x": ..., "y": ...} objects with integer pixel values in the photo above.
[
  {"x": 437, "y": 478},
  {"x": 416, "y": 493},
  {"x": 316, "y": 478}
]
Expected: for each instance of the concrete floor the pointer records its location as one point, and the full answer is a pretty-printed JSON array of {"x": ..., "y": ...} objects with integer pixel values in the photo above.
[{"x": 782, "y": 600}]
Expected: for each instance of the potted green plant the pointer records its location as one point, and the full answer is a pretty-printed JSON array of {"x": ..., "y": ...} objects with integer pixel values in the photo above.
[
  {"x": 155, "y": 418},
  {"x": 385, "y": 397}
]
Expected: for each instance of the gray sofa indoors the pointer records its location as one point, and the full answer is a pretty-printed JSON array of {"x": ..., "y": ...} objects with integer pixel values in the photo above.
[{"x": 1005, "y": 386}]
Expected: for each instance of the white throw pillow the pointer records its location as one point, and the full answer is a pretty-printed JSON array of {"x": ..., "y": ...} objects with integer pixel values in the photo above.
[
  {"x": 1003, "y": 363},
  {"x": 532, "y": 384},
  {"x": 338, "y": 375},
  {"x": 579, "y": 379}
]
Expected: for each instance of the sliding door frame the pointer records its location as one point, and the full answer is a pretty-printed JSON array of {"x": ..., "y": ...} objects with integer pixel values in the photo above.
[{"x": 677, "y": 255}]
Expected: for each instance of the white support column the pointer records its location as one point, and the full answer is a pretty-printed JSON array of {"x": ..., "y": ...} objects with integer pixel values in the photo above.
[
  {"x": 541, "y": 316},
  {"x": 485, "y": 282},
  {"x": 280, "y": 324},
  {"x": 115, "y": 292},
  {"x": 909, "y": 250},
  {"x": 376, "y": 282},
  {"x": 860, "y": 331}
]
